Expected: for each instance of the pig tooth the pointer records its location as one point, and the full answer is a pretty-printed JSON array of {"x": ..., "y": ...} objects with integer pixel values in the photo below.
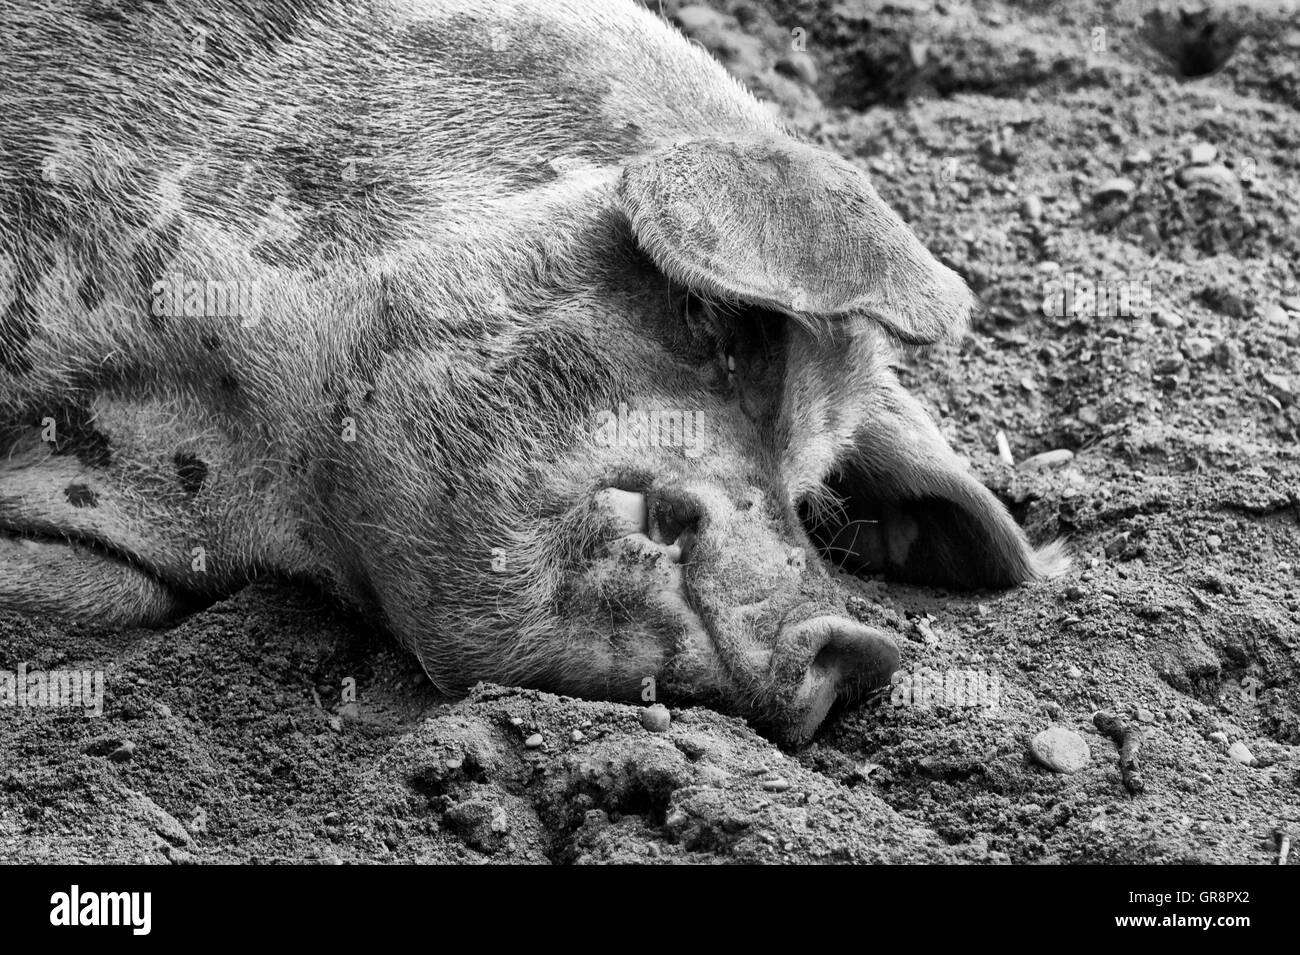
[
  {"x": 627, "y": 509},
  {"x": 731, "y": 363}
]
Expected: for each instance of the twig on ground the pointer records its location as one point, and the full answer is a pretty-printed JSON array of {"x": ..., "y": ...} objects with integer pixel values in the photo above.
[{"x": 1129, "y": 740}]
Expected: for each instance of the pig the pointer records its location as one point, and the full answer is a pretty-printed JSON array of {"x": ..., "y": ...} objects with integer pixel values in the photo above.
[{"x": 519, "y": 327}]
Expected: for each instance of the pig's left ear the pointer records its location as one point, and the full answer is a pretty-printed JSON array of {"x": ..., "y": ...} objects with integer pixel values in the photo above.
[
  {"x": 912, "y": 511},
  {"x": 788, "y": 227}
]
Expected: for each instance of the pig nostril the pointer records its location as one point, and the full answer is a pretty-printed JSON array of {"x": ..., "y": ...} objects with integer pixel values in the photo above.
[
  {"x": 864, "y": 659},
  {"x": 850, "y": 660},
  {"x": 626, "y": 509},
  {"x": 672, "y": 519}
]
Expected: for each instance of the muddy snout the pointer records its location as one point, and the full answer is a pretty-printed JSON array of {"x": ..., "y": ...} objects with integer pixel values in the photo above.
[
  {"x": 823, "y": 660},
  {"x": 756, "y": 630}
]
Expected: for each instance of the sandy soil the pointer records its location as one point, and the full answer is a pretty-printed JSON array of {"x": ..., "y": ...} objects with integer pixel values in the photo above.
[{"x": 996, "y": 129}]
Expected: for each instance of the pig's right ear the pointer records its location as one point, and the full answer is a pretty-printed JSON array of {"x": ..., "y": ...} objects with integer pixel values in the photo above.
[{"x": 788, "y": 227}]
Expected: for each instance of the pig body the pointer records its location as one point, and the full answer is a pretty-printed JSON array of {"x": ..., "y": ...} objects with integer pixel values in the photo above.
[{"x": 520, "y": 327}]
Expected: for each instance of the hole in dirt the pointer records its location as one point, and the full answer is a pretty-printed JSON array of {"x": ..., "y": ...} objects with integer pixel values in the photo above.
[{"x": 1192, "y": 43}]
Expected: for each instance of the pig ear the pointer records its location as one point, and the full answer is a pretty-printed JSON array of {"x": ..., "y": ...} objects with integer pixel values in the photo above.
[
  {"x": 788, "y": 227},
  {"x": 913, "y": 512}
]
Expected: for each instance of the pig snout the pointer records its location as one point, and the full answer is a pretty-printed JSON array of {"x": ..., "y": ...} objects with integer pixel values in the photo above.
[
  {"x": 776, "y": 650},
  {"x": 845, "y": 660}
]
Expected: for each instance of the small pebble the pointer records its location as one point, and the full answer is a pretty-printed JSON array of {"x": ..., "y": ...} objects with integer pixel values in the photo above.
[
  {"x": 776, "y": 784},
  {"x": 696, "y": 18},
  {"x": 1202, "y": 154},
  {"x": 335, "y": 724},
  {"x": 1075, "y": 592},
  {"x": 1239, "y": 752},
  {"x": 1137, "y": 159},
  {"x": 1198, "y": 348},
  {"x": 655, "y": 718},
  {"x": 799, "y": 66},
  {"x": 577, "y": 736},
  {"x": 533, "y": 741},
  {"x": 123, "y": 752},
  {"x": 1219, "y": 738},
  {"x": 1219, "y": 177},
  {"x": 1116, "y": 188},
  {"x": 1145, "y": 715},
  {"x": 1031, "y": 208},
  {"x": 1279, "y": 383},
  {"x": 1047, "y": 460},
  {"x": 1060, "y": 750},
  {"x": 516, "y": 721}
]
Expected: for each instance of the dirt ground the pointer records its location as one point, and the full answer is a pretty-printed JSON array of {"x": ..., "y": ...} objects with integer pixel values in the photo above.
[{"x": 1030, "y": 144}]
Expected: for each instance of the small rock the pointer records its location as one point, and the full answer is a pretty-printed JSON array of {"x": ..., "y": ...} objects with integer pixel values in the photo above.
[
  {"x": 1060, "y": 750},
  {"x": 577, "y": 736},
  {"x": 655, "y": 718},
  {"x": 1219, "y": 738},
  {"x": 1291, "y": 303},
  {"x": 1167, "y": 319},
  {"x": 697, "y": 18},
  {"x": 1145, "y": 715},
  {"x": 335, "y": 724},
  {"x": 123, "y": 752},
  {"x": 1075, "y": 592},
  {"x": 1239, "y": 752},
  {"x": 164, "y": 710},
  {"x": 1198, "y": 348},
  {"x": 516, "y": 721},
  {"x": 1279, "y": 383},
  {"x": 776, "y": 784},
  {"x": 332, "y": 819},
  {"x": 1202, "y": 154},
  {"x": 1137, "y": 159},
  {"x": 178, "y": 856},
  {"x": 1117, "y": 545},
  {"x": 1031, "y": 208},
  {"x": 1047, "y": 460},
  {"x": 533, "y": 741},
  {"x": 799, "y": 66},
  {"x": 1112, "y": 189},
  {"x": 1216, "y": 176}
]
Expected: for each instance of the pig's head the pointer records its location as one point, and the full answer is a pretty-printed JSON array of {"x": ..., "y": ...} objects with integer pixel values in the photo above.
[{"x": 650, "y": 410}]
